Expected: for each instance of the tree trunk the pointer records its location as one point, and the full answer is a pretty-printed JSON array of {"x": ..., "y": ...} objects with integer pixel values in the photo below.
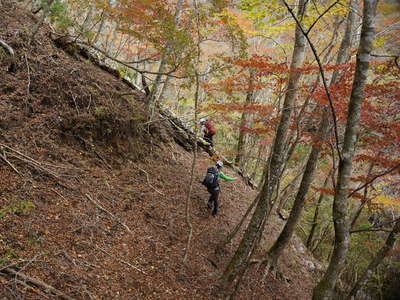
[
  {"x": 287, "y": 191},
  {"x": 244, "y": 121},
  {"x": 316, "y": 214},
  {"x": 188, "y": 201},
  {"x": 283, "y": 240},
  {"x": 232, "y": 234},
  {"x": 364, "y": 201},
  {"x": 261, "y": 148},
  {"x": 295, "y": 213},
  {"x": 325, "y": 288},
  {"x": 154, "y": 90},
  {"x": 382, "y": 253},
  {"x": 46, "y": 9},
  {"x": 255, "y": 228},
  {"x": 100, "y": 29}
]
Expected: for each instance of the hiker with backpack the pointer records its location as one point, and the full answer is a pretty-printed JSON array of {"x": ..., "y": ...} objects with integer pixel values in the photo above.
[
  {"x": 208, "y": 130},
  {"x": 211, "y": 181}
]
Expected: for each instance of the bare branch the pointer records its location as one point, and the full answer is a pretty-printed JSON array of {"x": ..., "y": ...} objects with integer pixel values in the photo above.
[
  {"x": 321, "y": 69},
  {"x": 128, "y": 64},
  {"x": 148, "y": 179},
  {"x": 31, "y": 281},
  {"x": 373, "y": 179},
  {"x": 369, "y": 230},
  {"x": 321, "y": 15},
  {"x": 396, "y": 58},
  {"x": 4, "y": 157},
  {"x": 118, "y": 259},
  {"x": 108, "y": 212}
]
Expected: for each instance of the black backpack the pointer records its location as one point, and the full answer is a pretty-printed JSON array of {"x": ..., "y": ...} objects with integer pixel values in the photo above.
[{"x": 211, "y": 178}]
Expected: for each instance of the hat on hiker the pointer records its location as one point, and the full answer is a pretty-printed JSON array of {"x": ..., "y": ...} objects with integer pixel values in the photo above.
[{"x": 219, "y": 164}]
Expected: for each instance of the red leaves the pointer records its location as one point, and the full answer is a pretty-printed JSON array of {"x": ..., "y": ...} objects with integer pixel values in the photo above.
[{"x": 251, "y": 108}]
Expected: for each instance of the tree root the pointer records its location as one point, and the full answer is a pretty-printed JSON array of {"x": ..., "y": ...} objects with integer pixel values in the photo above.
[{"x": 270, "y": 266}]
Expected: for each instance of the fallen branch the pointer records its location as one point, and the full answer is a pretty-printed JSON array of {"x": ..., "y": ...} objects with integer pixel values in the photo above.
[
  {"x": 10, "y": 164},
  {"x": 31, "y": 288},
  {"x": 31, "y": 281},
  {"x": 108, "y": 212},
  {"x": 59, "y": 194},
  {"x": 184, "y": 136},
  {"x": 36, "y": 165},
  {"x": 92, "y": 148},
  {"x": 28, "y": 85},
  {"x": 148, "y": 179},
  {"x": 10, "y": 51},
  {"x": 120, "y": 260},
  {"x": 7, "y": 48},
  {"x": 32, "y": 162}
]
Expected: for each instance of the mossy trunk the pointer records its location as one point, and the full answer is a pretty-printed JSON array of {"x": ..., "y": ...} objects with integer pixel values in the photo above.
[
  {"x": 325, "y": 288},
  {"x": 382, "y": 253},
  {"x": 308, "y": 175},
  {"x": 283, "y": 240},
  {"x": 255, "y": 228}
]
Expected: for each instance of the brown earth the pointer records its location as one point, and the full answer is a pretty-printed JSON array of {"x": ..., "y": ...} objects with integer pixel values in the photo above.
[{"x": 92, "y": 202}]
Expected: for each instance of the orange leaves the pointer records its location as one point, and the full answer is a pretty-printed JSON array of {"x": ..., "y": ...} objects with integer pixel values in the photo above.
[
  {"x": 147, "y": 20},
  {"x": 239, "y": 83},
  {"x": 378, "y": 158},
  {"x": 326, "y": 191},
  {"x": 262, "y": 64},
  {"x": 251, "y": 108}
]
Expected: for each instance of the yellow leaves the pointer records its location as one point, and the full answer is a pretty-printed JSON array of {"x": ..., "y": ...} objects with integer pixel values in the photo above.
[
  {"x": 380, "y": 197},
  {"x": 387, "y": 7},
  {"x": 380, "y": 41},
  {"x": 387, "y": 200}
]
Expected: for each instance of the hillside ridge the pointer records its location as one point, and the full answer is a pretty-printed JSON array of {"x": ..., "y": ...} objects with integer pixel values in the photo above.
[{"x": 90, "y": 200}]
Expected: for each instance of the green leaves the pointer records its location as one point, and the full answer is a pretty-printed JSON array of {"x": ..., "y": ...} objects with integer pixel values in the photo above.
[{"x": 23, "y": 206}]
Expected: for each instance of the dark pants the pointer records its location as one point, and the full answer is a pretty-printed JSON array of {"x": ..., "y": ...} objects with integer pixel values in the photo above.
[
  {"x": 209, "y": 138},
  {"x": 213, "y": 201}
]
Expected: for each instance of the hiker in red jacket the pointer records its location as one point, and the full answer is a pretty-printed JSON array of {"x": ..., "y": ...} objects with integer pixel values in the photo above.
[{"x": 208, "y": 129}]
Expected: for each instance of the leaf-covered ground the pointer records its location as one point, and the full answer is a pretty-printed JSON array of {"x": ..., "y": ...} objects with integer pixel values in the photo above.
[{"x": 93, "y": 203}]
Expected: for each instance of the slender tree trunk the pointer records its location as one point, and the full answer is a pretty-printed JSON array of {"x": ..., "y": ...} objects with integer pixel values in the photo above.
[
  {"x": 244, "y": 121},
  {"x": 382, "y": 253},
  {"x": 46, "y": 9},
  {"x": 364, "y": 202},
  {"x": 283, "y": 240},
  {"x": 163, "y": 62},
  {"x": 87, "y": 19},
  {"x": 255, "y": 228},
  {"x": 287, "y": 191},
  {"x": 232, "y": 234},
  {"x": 295, "y": 213},
  {"x": 195, "y": 122},
  {"x": 322, "y": 237},
  {"x": 163, "y": 89},
  {"x": 316, "y": 213},
  {"x": 261, "y": 147},
  {"x": 100, "y": 29},
  {"x": 188, "y": 201},
  {"x": 325, "y": 288}
]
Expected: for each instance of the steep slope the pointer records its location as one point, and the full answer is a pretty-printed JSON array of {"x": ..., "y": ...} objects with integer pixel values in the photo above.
[{"x": 92, "y": 199}]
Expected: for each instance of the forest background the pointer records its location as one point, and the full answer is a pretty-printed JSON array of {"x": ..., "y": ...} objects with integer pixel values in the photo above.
[{"x": 306, "y": 100}]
